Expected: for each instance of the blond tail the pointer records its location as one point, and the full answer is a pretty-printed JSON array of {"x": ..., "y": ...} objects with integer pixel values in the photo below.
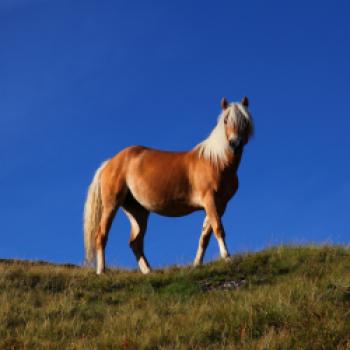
[{"x": 92, "y": 216}]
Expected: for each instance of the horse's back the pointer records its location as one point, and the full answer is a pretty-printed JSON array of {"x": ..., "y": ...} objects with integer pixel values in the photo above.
[{"x": 144, "y": 158}]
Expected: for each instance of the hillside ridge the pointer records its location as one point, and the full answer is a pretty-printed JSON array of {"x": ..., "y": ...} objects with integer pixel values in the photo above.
[{"x": 282, "y": 297}]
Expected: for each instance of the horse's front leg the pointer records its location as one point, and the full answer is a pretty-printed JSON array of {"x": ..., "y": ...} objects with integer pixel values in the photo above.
[
  {"x": 203, "y": 242},
  {"x": 215, "y": 222}
]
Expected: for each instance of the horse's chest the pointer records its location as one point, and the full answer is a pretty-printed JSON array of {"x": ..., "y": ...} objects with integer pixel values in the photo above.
[{"x": 227, "y": 187}]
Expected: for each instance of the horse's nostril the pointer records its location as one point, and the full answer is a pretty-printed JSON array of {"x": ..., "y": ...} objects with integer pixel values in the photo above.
[
  {"x": 236, "y": 144},
  {"x": 233, "y": 143}
]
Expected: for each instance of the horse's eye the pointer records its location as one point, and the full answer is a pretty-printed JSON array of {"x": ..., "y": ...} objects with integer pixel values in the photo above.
[{"x": 225, "y": 120}]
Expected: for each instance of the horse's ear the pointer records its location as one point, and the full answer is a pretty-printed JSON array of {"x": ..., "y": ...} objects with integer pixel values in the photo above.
[
  {"x": 224, "y": 103},
  {"x": 245, "y": 101}
]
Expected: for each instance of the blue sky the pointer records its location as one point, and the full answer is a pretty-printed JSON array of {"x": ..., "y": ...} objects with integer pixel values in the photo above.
[{"x": 81, "y": 80}]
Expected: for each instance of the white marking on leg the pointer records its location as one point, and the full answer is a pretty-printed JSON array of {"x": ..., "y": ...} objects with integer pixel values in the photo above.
[
  {"x": 144, "y": 267},
  {"x": 203, "y": 243},
  {"x": 100, "y": 262},
  {"x": 199, "y": 257},
  {"x": 222, "y": 246}
]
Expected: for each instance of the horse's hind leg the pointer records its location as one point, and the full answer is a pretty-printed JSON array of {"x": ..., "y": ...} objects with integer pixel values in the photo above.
[
  {"x": 138, "y": 217},
  {"x": 112, "y": 198},
  {"x": 108, "y": 214},
  {"x": 203, "y": 242}
]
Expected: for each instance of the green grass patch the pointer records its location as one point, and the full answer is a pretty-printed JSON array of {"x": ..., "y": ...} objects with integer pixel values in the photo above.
[{"x": 280, "y": 298}]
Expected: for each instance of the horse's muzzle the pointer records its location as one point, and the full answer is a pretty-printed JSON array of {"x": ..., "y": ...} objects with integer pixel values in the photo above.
[{"x": 236, "y": 145}]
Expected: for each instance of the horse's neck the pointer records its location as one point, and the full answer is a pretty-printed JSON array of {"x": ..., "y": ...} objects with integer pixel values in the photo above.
[{"x": 233, "y": 163}]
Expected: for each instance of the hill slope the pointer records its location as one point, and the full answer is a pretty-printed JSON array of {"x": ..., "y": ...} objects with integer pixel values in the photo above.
[{"x": 284, "y": 297}]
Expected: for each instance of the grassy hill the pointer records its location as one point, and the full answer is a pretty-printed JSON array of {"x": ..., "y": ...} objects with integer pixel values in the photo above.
[{"x": 280, "y": 298}]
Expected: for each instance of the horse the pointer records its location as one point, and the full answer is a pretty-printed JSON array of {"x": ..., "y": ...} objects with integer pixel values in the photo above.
[{"x": 142, "y": 180}]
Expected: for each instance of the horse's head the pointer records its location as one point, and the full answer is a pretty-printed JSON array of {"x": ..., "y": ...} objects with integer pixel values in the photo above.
[{"x": 237, "y": 122}]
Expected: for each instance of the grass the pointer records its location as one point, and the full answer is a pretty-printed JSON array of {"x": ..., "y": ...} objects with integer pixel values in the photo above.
[{"x": 280, "y": 298}]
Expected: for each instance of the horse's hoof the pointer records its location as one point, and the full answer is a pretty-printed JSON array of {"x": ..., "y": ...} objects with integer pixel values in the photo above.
[
  {"x": 227, "y": 259},
  {"x": 196, "y": 264},
  {"x": 145, "y": 271}
]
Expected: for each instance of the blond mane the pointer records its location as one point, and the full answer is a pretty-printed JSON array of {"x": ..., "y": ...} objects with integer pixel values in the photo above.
[{"x": 216, "y": 147}]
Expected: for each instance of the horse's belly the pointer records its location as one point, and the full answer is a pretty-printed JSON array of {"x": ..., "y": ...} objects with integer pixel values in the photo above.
[
  {"x": 164, "y": 206},
  {"x": 163, "y": 200},
  {"x": 174, "y": 208}
]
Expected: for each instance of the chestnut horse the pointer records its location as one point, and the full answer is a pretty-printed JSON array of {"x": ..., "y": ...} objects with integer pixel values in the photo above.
[{"x": 143, "y": 180}]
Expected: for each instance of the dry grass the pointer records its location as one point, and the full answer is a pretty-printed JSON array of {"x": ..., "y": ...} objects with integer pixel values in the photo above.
[{"x": 292, "y": 298}]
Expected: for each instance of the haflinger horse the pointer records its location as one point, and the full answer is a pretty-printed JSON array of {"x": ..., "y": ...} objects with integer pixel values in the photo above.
[{"x": 141, "y": 180}]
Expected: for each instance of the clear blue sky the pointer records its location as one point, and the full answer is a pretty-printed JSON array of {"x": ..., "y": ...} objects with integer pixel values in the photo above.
[{"x": 80, "y": 80}]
